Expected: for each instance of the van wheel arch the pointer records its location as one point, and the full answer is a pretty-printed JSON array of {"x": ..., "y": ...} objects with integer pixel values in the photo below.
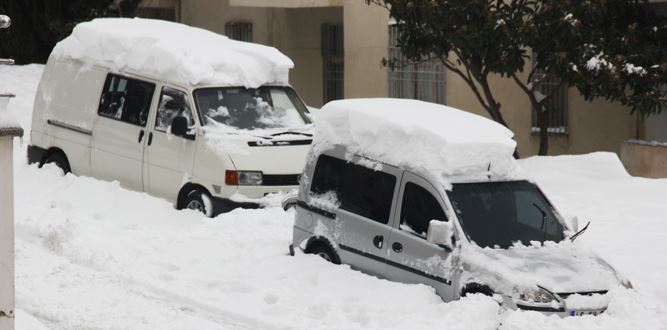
[
  {"x": 58, "y": 156},
  {"x": 471, "y": 288},
  {"x": 319, "y": 243},
  {"x": 186, "y": 190}
]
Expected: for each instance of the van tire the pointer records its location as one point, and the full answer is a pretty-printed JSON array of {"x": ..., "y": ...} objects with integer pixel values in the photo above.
[
  {"x": 324, "y": 252},
  {"x": 199, "y": 201},
  {"x": 59, "y": 159}
]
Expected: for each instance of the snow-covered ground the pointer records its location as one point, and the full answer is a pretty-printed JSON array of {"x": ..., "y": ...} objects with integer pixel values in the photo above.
[{"x": 92, "y": 255}]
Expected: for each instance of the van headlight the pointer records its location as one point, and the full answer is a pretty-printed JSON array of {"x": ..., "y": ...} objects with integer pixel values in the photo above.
[
  {"x": 539, "y": 295},
  {"x": 243, "y": 178}
]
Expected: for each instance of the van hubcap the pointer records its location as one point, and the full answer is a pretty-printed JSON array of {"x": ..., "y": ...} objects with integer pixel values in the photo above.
[{"x": 196, "y": 205}]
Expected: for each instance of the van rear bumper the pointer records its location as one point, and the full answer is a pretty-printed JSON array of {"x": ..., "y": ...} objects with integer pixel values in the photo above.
[
  {"x": 35, "y": 154},
  {"x": 224, "y": 205}
]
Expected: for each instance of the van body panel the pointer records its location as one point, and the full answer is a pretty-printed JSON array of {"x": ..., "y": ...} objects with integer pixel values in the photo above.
[
  {"x": 169, "y": 160},
  {"x": 69, "y": 92},
  {"x": 118, "y": 152}
]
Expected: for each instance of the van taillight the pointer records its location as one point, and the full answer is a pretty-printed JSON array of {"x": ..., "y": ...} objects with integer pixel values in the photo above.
[{"x": 231, "y": 178}]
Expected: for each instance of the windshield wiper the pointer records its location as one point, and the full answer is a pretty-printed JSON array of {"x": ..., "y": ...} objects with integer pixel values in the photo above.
[
  {"x": 292, "y": 132},
  {"x": 544, "y": 220},
  {"x": 579, "y": 232}
]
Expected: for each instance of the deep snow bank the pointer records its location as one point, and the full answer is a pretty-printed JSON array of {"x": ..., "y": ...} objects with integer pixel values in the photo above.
[
  {"x": 90, "y": 254},
  {"x": 597, "y": 166},
  {"x": 175, "y": 52}
]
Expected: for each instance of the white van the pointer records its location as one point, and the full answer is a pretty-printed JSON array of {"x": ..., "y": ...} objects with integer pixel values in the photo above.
[
  {"x": 182, "y": 113},
  {"x": 417, "y": 192}
]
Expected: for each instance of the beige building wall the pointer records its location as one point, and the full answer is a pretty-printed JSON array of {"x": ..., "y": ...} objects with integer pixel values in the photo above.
[
  {"x": 366, "y": 40},
  {"x": 592, "y": 126}
]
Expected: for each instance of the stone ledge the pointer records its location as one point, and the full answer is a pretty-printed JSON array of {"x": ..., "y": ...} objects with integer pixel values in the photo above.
[{"x": 11, "y": 131}]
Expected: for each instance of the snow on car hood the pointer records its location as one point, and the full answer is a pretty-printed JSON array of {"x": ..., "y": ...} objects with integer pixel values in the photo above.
[
  {"x": 559, "y": 267},
  {"x": 258, "y": 150}
]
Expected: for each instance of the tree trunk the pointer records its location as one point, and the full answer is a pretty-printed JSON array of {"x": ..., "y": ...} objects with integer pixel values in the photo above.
[{"x": 543, "y": 123}]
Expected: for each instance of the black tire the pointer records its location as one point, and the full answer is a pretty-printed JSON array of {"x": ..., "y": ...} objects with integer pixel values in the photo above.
[
  {"x": 195, "y": 201},
  {"x": 325, "y": 253},
  {"x": 477, "y": 288},
  {"x": 59, "y": 160}
]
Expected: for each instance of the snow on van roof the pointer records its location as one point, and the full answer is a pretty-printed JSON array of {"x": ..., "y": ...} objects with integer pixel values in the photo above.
[
  {"x": 426, "y": 137},
  {"x": 174, "y": 52}
]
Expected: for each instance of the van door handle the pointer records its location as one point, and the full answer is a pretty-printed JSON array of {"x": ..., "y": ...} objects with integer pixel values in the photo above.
[
  {"x": 397, "y": 247},
  {"x": 141, "y": 136},
  {"x": 150, "y": 138},
  {"x": 378, "y": 241}
]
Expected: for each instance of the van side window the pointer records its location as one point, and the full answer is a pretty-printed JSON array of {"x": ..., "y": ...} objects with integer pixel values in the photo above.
[
  {"x": 360, "y": 190},
  {"x": 173, "y": 103},
  {"x": 418, "y": 209},
  {"x": 328, "y": 176},
  {"x": 126, "y": 99}
]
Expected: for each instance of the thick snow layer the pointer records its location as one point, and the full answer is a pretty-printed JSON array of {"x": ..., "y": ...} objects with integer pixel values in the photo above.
[
  {"x": 92, "y": 255},
  {"x": 174, "y": 52},
  {"x": 425, "y": 137},
  {"x": 530, "y": 266},
  {"x": 7, "y": 118}
]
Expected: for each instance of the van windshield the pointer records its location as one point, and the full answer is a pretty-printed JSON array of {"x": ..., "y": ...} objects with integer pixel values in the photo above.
[
  {"x": 265, "y": 107},
  {"x": 497, "y": 214}
]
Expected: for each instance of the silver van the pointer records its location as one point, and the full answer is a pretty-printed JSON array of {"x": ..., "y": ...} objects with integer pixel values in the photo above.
[{"x": 501, "y": 238}]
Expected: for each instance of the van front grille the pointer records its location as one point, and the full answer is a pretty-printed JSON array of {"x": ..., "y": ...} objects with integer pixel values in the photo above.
[{"x": 280, "y": 180}]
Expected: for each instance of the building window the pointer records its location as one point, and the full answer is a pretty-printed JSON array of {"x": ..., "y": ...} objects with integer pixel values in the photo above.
[
  {"x": 424, "y": 80},
  {"x": 333, "y": 58},
  {"x": 239, "y": 31},
  {"x": 556, "y": 106}
]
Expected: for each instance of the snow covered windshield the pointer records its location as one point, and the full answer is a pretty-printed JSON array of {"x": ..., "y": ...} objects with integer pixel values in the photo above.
[
  {"x": 497, "y": 214},
  {"x": 250, "y": 108}
]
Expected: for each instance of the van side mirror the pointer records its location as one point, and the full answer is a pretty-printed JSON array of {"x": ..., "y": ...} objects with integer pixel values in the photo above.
[
  {"x": 441, "y": 233},
  {"x": 179, "y": 126}
]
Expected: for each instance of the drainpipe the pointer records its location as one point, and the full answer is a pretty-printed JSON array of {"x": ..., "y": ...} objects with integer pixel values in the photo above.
[{"x": 8, "y": 131}]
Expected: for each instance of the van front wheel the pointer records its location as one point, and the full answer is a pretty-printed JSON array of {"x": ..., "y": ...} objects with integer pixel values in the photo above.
[{"x": 199, "y": 201}]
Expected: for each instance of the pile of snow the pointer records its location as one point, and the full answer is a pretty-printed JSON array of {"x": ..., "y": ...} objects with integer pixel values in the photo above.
[
  {"x": 597, "y": 165},
  {"x": 90, "y": 254},
  {"x": 422, "y": 136},
  {"x": 174, "y": 52},
  {"x": 7, "y": 119},
  {"x": 543, "y": 265}
]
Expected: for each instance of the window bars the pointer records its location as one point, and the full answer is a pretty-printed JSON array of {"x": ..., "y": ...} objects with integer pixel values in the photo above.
[
  {"x": 424, "y": 80},
  {"x": 333, "y": 60},
  {"x": 557, "y": 106},
  {"x": 241, "y": 31}
]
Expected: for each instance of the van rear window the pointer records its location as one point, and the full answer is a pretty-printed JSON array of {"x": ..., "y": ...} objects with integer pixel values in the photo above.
[
  {"x": 359, "y": 190},
  {"x": 126, "y": 99}
]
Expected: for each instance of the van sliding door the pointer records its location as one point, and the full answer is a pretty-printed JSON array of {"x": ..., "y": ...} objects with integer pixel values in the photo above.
[{"x": 119, "y": 133}]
